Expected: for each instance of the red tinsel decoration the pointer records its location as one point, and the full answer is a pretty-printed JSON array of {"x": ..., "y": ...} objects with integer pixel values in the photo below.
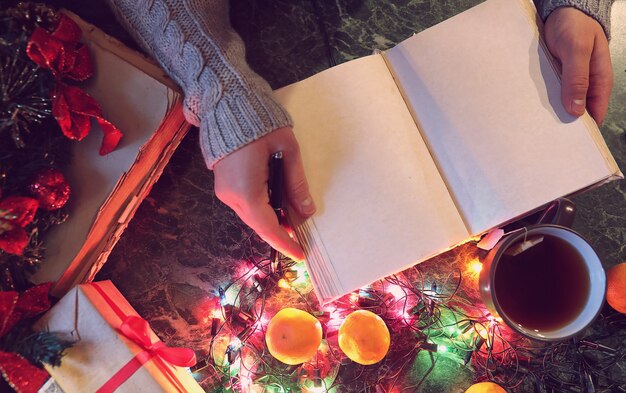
[
  {"x": 15, "y": 307},
  {"x": 51, "y": 189},
  {"x": 17, "y": 371},
  {"x": 15, "y": 214},
  {"x": 66, "y": 58},
  {"x": 20, "y": 374}
]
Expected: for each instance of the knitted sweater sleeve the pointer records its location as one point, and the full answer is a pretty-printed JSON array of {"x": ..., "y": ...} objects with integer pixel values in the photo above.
[
  {"x": 195, "y": 44},
  {"x": 600, "y": 10}
]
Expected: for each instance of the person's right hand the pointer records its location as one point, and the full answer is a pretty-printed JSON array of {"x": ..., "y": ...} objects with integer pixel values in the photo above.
[
  {"x": 578, "y": 42},
  {"x": 241, "y": 183}
]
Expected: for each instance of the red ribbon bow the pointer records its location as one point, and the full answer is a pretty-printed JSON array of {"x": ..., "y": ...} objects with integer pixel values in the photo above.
[
  {"x": 137, "y": 330},
  {"x": 21, "y": 375},
  {"x": 15, "y": 214},
  {"x": 62, "y": 54}
]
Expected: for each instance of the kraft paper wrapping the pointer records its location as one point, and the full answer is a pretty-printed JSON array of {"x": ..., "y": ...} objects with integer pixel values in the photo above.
[{"x": 100, "y": 351}]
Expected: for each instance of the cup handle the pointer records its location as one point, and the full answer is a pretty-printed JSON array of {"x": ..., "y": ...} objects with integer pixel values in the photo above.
[{"x": 561, "y": 212}]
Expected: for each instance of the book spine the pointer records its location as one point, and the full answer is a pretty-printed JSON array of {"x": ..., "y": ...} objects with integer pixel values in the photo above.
[{"x": 426, "y": 141}]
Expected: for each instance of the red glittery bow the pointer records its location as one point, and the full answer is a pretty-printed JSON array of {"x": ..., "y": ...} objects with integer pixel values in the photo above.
[
  {"x": 15, "y": 214},
  {"x": 17, "y": 371},
  {"x": 66, "y": 58}
]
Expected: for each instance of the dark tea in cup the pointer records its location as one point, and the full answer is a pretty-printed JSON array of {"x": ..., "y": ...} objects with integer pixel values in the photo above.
[
  {"x": 544, "y": 287},
  {"x": 545, "y": 282}
]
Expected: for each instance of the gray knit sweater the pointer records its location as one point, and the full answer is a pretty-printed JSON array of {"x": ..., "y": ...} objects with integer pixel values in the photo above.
[{"x": 232, "y": 105}]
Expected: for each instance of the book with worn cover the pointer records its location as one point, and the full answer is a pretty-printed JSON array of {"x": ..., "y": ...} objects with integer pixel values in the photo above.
[
  {"x": 455, "y": 131},
  {"x": 135, "y": 95}
]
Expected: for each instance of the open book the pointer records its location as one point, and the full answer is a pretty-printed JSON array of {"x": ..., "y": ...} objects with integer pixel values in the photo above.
[
  {"x": 453, "y": 132},
  {"x": 135, "y": 95}
]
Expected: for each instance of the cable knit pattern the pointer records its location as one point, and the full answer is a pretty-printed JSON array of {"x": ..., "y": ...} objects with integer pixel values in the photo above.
[
  {"x": 600, "y": 10},
  {"x": 194, "y": 43}
]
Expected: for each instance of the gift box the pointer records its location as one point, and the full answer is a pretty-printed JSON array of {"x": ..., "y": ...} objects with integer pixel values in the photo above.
[{"x": 115, "y": 349}]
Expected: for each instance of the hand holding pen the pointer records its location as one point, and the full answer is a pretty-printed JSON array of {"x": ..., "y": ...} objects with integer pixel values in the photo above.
[{"x": 241, "y": 182}]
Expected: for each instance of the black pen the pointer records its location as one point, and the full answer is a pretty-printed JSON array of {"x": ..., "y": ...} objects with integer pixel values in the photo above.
[{"x": 275, "y": 189}]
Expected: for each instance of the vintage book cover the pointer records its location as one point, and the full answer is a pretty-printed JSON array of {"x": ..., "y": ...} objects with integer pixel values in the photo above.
[
  {"x": 455, "y": 131},
  {"x": 134, "y": 94}
]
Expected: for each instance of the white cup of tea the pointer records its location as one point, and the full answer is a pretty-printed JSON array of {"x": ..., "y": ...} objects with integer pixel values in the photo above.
[{"x": 544, "y": 281}]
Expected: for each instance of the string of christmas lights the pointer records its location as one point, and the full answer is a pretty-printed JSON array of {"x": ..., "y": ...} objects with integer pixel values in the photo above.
[{"x": 428, "y": 319}]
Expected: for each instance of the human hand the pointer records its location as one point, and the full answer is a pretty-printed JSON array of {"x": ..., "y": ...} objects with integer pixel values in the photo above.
[
  {"x": 578, "y": 42},
  {"x": 241, "y": 183}
]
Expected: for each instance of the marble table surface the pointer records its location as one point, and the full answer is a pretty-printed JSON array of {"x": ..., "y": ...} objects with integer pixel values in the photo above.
[{"x": 183, "y": 243}]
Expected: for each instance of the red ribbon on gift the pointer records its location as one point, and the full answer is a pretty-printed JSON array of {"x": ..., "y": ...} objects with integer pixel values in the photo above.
[
  {"x": 62, "y": 54},
  {"x": 137, "y": 330}
]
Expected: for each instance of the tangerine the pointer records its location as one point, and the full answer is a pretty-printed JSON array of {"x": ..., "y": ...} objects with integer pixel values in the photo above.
[
  {"x": 616, "y": 287},
  {"x": 293, "y": 336},
  {"x": 364, "y": 337},
  {"x": 485, "y": 387}
]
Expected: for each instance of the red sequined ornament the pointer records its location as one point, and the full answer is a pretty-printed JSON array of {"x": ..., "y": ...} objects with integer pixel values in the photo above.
[{"x": 51, "y": 189}]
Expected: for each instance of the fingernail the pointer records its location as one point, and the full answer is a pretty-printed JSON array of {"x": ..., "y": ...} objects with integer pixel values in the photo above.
[
  {"x": 307, "y": 206},
  {"x": 578, "y": 107}
]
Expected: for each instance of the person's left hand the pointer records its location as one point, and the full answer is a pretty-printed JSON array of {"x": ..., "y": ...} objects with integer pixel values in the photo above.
[{"x": 578, "y": 42}]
